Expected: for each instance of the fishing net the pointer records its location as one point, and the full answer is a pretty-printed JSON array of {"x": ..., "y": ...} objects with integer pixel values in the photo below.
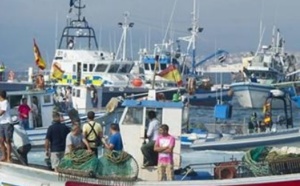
[
  {"x": 254, "y": 160},
  {"x": 117, "y": 165},
  {"x": 113, "y": 165}
]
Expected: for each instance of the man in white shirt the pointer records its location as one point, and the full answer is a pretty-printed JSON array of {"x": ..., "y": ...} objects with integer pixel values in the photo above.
[
  {"x": 6, "y": 128},
  {"x": 150, "y": 156}
]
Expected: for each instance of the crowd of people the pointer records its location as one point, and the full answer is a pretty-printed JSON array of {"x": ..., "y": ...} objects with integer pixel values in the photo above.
[{"x": 61, "y": 140}]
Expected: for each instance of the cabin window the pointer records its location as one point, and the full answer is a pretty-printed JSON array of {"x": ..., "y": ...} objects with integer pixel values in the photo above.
[
  {"x": 47, "y": 99},
  {"x": 113, "y": 68},
  {"x": 152, "y": 67},
  {"x": 91, "y": 67},
  {"x": 134, "y": 116},
  {"x": 125, "y": 68},
  {"x": 163, "y": 66},
  {"x": 14, "y": 100},
  {"x": 85, "y": 67},
  {"x": 101, "y": 68},
  {"x": 78, "y": 93},
  {"x": 146, "y": 66},
  {"x": 74, "y": 68}
]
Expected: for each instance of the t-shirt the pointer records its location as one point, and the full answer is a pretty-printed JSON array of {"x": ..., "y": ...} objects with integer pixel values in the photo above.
[
  {"x": 116, "y": 141},
  {"x": 24, "y": 111},
  {"x": 76, "y": 141},
  {"x": 92, "y": 136},
  {"x": 5, "y": 117},
  {"x": 152, "y": 131},
  {"x": 57, "y": 134},
  {"x": 164, "y": 141}
]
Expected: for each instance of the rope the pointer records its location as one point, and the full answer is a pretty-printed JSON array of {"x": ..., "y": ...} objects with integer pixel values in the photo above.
[
  {"x": 79, "y": 157},
  {"x": 117, "y": 157},
  {"x": 257, "y": 168}
]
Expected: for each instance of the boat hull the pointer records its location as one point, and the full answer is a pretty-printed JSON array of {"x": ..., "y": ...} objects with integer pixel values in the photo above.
[
  {"x": 209, "y": 98},
  {"x": 252, "y": 95},
  {"x": 32, "y": 176},
  {"x": 243, "y": 142}
]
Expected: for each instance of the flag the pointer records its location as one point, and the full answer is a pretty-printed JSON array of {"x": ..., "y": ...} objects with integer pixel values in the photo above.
[
  {"x": 40, "y": 62},
  {"x": 57, "y": 72},
  {"x": 171, "y": 73},
  {"x": 222, "y": 58}
]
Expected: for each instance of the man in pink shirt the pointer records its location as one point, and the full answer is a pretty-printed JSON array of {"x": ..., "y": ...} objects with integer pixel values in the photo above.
[
  {"x": 24, "y": 110},
  {"x": 164, "y": 145}
]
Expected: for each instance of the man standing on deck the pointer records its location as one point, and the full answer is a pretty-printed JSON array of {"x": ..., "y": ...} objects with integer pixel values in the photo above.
[
  {"x": 6, "y": 128},
  {"x": 24, "y": 110},
  {"x": 92, "y": 133},
  {"x": 164, "y": 145},
  {"x": 55, "y": 142}
]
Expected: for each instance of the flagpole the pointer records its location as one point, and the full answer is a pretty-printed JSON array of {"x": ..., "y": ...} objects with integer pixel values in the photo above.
[{"x": 155, "y": 70}]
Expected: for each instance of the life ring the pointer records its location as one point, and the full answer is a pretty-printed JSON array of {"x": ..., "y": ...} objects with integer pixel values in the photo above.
[
  {"x": 225, "y": 170},
  {"x": 191, "y": 86},
  {"x": 11, "y": 75}
]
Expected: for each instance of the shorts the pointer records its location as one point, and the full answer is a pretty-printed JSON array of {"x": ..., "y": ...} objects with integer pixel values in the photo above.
[
  {"x": 55, "y": 158},
  {"x": 6, "y": 131}
]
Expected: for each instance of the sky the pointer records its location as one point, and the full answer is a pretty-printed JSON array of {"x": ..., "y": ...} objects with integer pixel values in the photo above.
[{"x": 232, "y": 25}]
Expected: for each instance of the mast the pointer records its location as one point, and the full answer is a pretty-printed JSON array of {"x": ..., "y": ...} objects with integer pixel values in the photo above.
[
  {"x": 195, "y": 29},
  {"x": 78, "y": 30},
  {"x": 125, "y": 26}
]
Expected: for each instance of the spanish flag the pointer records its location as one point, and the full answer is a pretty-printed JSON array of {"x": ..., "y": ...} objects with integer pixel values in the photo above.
[
  {"x": 40, "y": 62},
  {"x": 57, "y": 72},
  {"x": 171, "y": 73}
]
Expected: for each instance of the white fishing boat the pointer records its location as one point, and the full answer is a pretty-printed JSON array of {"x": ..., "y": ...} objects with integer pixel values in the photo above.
[
  {"x": 46, "y": 102},
  {"x": 261, "y": 71},
  {"x": 133, "y": 119}
]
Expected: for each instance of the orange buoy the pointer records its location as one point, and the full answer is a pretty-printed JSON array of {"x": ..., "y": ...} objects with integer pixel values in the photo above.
[{"x": 137, "y": 82}]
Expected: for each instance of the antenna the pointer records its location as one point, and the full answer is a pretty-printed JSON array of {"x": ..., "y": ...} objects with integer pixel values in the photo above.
[
  {"x": 195, "y": 29},
  {"x": 170, "y": 20},
  {"x": 125, "y": 26}
]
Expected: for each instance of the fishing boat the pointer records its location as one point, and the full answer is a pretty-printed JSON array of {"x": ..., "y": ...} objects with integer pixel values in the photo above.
[
  {"x": 232, "y": 172},
  {"x": 47, "y": 101},
  {"x": 261, "y": 71},
  {"x": 199, "y": 90},
  {"x": 275, "y": 128}
]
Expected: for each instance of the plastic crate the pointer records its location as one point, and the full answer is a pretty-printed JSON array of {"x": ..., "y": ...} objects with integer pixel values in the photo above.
[{"x": 285, "y": 166}]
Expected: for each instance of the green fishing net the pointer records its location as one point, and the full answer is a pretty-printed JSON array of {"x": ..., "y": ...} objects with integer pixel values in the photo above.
[{"x": 113, "y": 165}]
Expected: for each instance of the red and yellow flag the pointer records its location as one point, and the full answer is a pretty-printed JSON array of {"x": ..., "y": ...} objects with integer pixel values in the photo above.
[
  {"x": 40, "y": 62},
  {"x": 171, "y": 73},
  {"x": 57, "y": 72}
]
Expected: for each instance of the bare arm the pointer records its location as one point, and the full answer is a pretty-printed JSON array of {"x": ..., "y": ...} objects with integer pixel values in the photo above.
[
  {"x": 47, "y": 149},
  {"x": 86, "y": 144},
  {"x": 157, "y": 148}
]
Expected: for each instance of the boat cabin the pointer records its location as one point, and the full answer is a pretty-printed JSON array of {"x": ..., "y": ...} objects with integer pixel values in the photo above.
[
  {"x": 43, "y": 100},
  {"x": 134, "y": 122},
  {"x": 284, "y": 118}
]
